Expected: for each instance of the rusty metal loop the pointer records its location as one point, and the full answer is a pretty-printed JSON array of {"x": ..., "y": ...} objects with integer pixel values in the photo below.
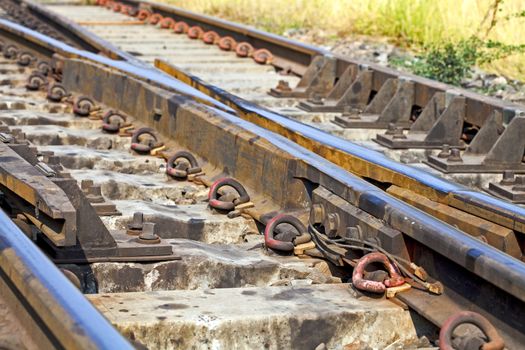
[
  {"x": 223, "y": 205},
  {"x": 181, "y": 169},
  {"x": 195, "y": 32},
  {"x": 210, "y": 37},
  {"x": 181, "y": 27},
  {"x": 133, "y": 11},
  {"x": 25, "y": 59},
  {"x": 10, "y": 51},
  {"x": 124, "y": 9},
  {"x": 495, "y": 341},
  {"x": 262, "y": 56},
  {"x": 83, "y": 105},
  {"x": 269, "y": 232},
  {"x": 112, "y": 121},
  {"x": 137, "y": 142},
  {"x": 155, "y": 18},
  {"x": 167, "y": 23},
  {"x": 56, "y": 92},
  {"x": 227, "y": 43},
  {"x": 143, "y": 14},
  {"x": 117, "y": 7},
  {"x": 35, "y": 81},
  {"x": 244, "y": 49},
  {"x": 43, "y": 67},
  {"x": 361, "y": 283}
]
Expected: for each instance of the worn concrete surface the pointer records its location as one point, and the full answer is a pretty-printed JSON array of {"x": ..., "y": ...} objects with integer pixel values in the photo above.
[{"x": 258, "y": 318}]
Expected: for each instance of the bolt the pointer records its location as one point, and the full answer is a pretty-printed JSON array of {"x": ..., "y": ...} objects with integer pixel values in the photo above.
[
  {"x": 350, "y": 113},
  {"x": 317, "y": 213},
  {"x": 455, "y": 156},
  {"x": 21, "y": 137},
  {"x": 148, "y": 235},
  {"x": 316, "y": 99},
  {"x": 157, "y": 114},
  {"x": 508, "y": 178},
  {"x": 354, "y": 232},
  {"x": 136, "y": 225},
  {"x": 398, "y": 134},
  {"x": 86, "y": 184},
  {"x": 331, "y": 224},
  {"x": 445, "y": 151},
  {"x": 52, "y": 159},
  {"x": 94, "y": 194},
  {"x": 391, "y": 129},
  {"x": 283, "y": 85}
]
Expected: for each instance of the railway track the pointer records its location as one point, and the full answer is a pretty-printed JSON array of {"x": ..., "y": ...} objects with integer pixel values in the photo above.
[
  {"x": 324, "y": 98},
  {"x": 192, "y": 217}
]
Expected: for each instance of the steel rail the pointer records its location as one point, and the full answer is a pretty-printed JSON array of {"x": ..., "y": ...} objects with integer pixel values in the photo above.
[
  {"x": 452, "y": 252},
  {"x": 362, "y": 161},
  {"x": 49, "y": 46},
  {"x": 352, "y": 157},
  {"x": 50, "y": 307},
  {"x": 81, "y": 37},
  {"x": 351, "y": 181},
  {"x": 297, "y": 56},
  {"x": 448, "y": 245},
  {"x": 290, "y": 54}
]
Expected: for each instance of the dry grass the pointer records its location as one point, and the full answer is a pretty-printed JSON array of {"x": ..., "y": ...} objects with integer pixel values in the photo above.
[{"x": 413, "y": 23}]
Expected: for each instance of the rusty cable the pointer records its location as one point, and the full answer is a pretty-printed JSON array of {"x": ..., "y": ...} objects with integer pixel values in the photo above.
[{"x": 435, "y": 287}]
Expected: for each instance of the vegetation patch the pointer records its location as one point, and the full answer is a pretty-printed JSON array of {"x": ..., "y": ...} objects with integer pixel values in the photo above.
[{"x": 449, "y": 36}]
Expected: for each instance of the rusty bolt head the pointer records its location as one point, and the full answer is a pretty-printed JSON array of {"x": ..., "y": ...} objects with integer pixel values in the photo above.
[
  {"x": 399, "y": 134},
  {"x": 331, "y": 224},
  {"x": 455, "y": 156},
  {"x": 86, "y": 184},
  {"x": 445, "y": 151},
  {"x": 509, "y": 178},
  {"x": 317, "y": 214},
  {"x": 283, "y": 85},
  {"x": 391, "y": 129},
  {"x": 435, "y": 288},
  {"x": 94, "y": 194},
  {"x": 52, "y": 159},
  {"x": 354, "y": 232},
  {"x": 316, "y": 98},
  {"x": 136, "y": 225},
  {"x": 350, "y": 113},
  {"x": 148, "y": 235}
]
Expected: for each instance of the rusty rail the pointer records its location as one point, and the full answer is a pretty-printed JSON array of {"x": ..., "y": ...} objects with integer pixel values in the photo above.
[
  {"x": 453, "y": 252},
  {"x": 350, "y": 156},
  {"x": 447, "y": 253},
  {"x": 49, "y": 307}
]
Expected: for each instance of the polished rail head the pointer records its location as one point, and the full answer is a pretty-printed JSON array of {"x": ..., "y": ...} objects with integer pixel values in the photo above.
[{"x": 46, "y": 292}]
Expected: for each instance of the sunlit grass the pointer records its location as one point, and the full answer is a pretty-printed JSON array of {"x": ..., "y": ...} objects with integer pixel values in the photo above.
[{"x": 412, "y": 23}]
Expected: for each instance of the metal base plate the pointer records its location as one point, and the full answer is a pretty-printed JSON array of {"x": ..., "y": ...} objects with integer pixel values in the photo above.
[
  {"x": 366, "y": 122},
  {"x": 326, "y": 107},
  {"x": 471, "y": 164},
  {"x": 128, "y": 249},
  {"x": 287, "y": 93},
  {"x": 413, "y": 140},
  {"x": 508, "y": 192}
]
